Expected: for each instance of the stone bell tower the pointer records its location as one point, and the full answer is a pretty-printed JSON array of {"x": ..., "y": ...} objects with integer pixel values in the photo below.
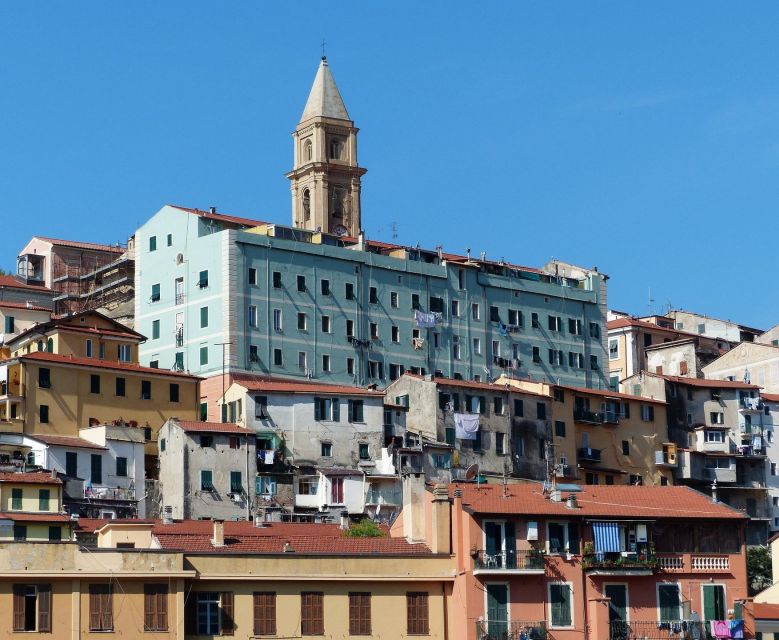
[{"x": 326, "y": 177}]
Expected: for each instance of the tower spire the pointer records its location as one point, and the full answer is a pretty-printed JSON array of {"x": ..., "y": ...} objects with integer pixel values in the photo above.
[{"x": 324, "y": 99}]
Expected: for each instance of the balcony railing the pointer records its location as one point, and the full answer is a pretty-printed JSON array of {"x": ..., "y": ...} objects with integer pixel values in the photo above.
[
  {"x": 751, "y": 404},
  {"x": 653, "y": 630},
  {"x": 509, "y": 561},
  {"x": 107, "y": 493},
  {"x": 511, "y": 630},
  {"x": 588, "y": 454},
  {"x": 585, "y": 415},
  {"x": 179, "y": 298},
  {"x": 693, "y": 563},
  {"x": 620, "y": 562}
]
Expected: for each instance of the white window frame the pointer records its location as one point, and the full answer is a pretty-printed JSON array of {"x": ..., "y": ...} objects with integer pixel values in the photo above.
[
  {"x": 278, "y": 320},
  {"x": 616, "y": 353},
  {"x": 475, "y": 311},
  {"x": 455, "y": 308},
  {"x": 627, "y": 596},
  {"x": 326, "y": 362},
  {"x": 708, "y": 439},
  {"x": 477, "y": 346},
  {"x": 566, "y": 539},
  {"x": 657, "y": 597},
  {"x": 302, "y": 360},
  {"x": 508, "y": 599},
  {"x": 327, "y": 324},
  {"x": 251, "y": 319},
  {"x": 549, "y": 602}
]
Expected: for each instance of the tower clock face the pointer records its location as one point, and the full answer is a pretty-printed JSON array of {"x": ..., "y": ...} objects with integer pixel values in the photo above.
[{"x": 340, "y": 230}]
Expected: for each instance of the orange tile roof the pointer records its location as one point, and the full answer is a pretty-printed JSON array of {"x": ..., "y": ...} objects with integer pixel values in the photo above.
[
  {"x": 771, "y": 397},
  {"x": 765, "y": 611},
  {"x": 29, "y": 477},
  {"x": 191, "y": 426},
  {"x": 194, "y": 536},
  {"x": 75, "y": 244},
  {"x": 610, "y": 394},
  {"x": 90, "y": 525},
  {"x": 486, "y": 386},
  {"x": 64, "y": 441},
  {"x": 34, "y": 517},
  {"x": 614, "y": 501},
  {"x": 281, "y": 385},
  {"x": 14, "y": 282},
  {"x": 22, "y": 305},
  {"x": 249, "y": 222},
  {"x": 709, "y": 383},
  {"x": 129, "y": 334},
  {"x": 621, "y": 323},
  {"x": 94, "y": 363}
]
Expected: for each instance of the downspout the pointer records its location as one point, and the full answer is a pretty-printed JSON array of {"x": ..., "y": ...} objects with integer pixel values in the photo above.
[
  {"x": 248, "y": 486},
  {"x": 585, "y": 617},
  {"x": 445, "y": 611}
]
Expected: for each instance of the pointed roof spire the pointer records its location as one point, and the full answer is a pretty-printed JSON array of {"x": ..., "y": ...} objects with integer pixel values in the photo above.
[{"x": 325, "y": 99}]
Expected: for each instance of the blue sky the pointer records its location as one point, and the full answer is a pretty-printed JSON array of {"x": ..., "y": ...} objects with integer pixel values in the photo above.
[{"x": 639, "y": 137}]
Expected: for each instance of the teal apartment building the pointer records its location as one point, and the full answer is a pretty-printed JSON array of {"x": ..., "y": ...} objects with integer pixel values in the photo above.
[{"x": 315, "y": 299}]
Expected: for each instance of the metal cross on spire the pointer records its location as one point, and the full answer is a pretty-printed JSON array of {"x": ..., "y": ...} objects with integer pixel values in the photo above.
[{"x": 324, "y": 57}]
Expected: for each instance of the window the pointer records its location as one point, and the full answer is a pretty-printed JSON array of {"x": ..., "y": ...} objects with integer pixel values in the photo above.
[
  {"x": 519, "y": 408},
  {"x": 500, "y": 443},
  {"x": 20, "y": 532},
  {"x": 326, "y": 324},
  {"x": 152, "y": 243},
  {"x": 594, "y": 330},
  {"x": 277, "y": 280},
  {"x": 669, "y": 602},
  {"x": 496, "y": 348},
  {"x": 325, "y": 363},
  {"x": 252, "y": 277},
  {"x": 555, "y": 323},
  {"x": 537, "y": 354},
  {"x": 55, "y": 533},
  {"x": 395, "y": 334},
  {"x": 94, "y": 383},
  {"x": 534, "y": 321},
  {"x": 635, "y": 480},
  {"x": 613, "y": 348},
  {"x": 714, "y": 437},
  {"x": 277, "y": 358},
  {"x": 174, "y": 392},
  {"x": 559, "y": 428},
  {"x": 541, "y": 411},
  {"x": 44, "y": 378},
  {"x": 155, "y": 607},
  {"x": 477, "y": 346},
  {"x": 16, "y": 499},
  {"x": 415, "y": 301},
  {"x": 560, "y": 607},
  {"x": 364, "y": 451},
  {"x": 120, "y": 387},
  {"x": 162, "y": 444},
  {"x": 146, "y": 385},
  {"x": 356, "y": 411},
  {"x": 32, "y": 607},
  {"x": 302, "y": 360},
  {"x": 594, "y": 363},
  {"x": 475, "y": 314},
  {"x": 203, "y": 356},
  {"x": 9, "y": 324},
  {"x": 312, "y": 615},
  {"x": 324, "y": 287},
  {"x": 373, "y": 295},
  {"x": 101, "y": 608},
  {"x": 236, "y": 485},
  {"x": 444, "y": 460},
  {"x": 43, "y": 411},
  {"x": 497, "y": 405},
  {"x": 563, "y": 537},
  {"x": 307, "y": 486},
  {"x": 207, "y": 613},
  {"x": 456, "y": 351},
  {"x": 277, "y": 320},
  {"x": 494, "y": 314},
  {"x": 555, "y": 357},
  {"x": 375, "y": 369},
  {"x": 455, "y": 308},
  {"x": 202, "y": 280},
  {"x": 206, "y": 480},
  {"x": 717, "y": 417},
  {"x": 301, "y": 283},
  {"x": 647, "y": 413},
  {"x": 394, "y": 299},
  {"x": 96, "y": 468},
  {"x": 71, "y": 464},
  {"x": 350, "y": 291},
  {"x": 574, "y": 327},
  {"x": 417, "y": 613},
  {"x": 252, "y": 319},
  {"x": 121, "y": 467},
  {"x": 436, "y": 304},
  {"x": 625, "y": 447},
  {"x": 89, "y": 350},
  {"x": 350, "y": 366},
  {"x": 155, "y": 293},
  {"x": 360, "y": 614},
  {"x": 264, "y": 613}
]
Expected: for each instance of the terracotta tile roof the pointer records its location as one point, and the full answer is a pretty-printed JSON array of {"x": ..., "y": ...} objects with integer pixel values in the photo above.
[
  {"x": 191, "y": 426},
  {"x": 709, "y": 383},
  {"x": 249, "y": 222},
  {"x": 615, "y": 501},
  {"x": 90, "y": 525},
  {"x": 64, "y": 441},
  {"x": 281, "y": 385},
  {"x": 194, "y": 536},
  {"x": 770, "y": 397},
  {"x": 33, "y": 517},
  {"x": 130, "y": 335},
  {"x": 765, "y": 611},
  {"x": 22, "y": 305},
  {"x": 621, "y": 323},
  {"x": 29, "y": 478},
  {"x": 604, "y": 393},
  {"x": 64, "y": 323},
  {"x": 14, "y": 282},
  {"x": 485, "y": 386},
  {"x": 94, "y": 363},
  {"x": 74, "y": 244}
]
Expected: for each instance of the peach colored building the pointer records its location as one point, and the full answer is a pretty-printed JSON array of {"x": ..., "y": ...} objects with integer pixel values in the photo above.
[{"x": 595, "y": 563}]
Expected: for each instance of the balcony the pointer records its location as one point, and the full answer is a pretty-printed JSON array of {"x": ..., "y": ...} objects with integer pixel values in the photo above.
[
  {"x": 513, "y": 630},
  {"x": 509, "y": 562},
  {"x": 620, "y": 564},
  {"x": 586, "y": 416},
  {"x": 751, "y": 405},
  {"x": 693, "y": 563},
  {"x": 665, "y": 459},
  {"x": 179, "y": 298},
  {"x": 654, "y": 630},
  {"x": 107, "y": 493},
  {"x": 587, "y": 454},
  {"x": 720, "y": 475}
]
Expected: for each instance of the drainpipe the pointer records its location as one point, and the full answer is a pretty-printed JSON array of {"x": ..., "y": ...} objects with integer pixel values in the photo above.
[{"x": 445, "y": 611}]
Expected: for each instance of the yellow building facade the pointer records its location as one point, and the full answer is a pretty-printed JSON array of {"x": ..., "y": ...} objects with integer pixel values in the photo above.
[{"x": 31, "y": 508}]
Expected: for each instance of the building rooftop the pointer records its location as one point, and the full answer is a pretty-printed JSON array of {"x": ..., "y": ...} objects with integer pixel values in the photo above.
[
  {"x": 770, "y": 397},
  {"x": 324, "y": 100},
  {"x": 22, "y": 305},
  {"x": 709, "y": 384},
  {"x": 220, "y": 217},
  {"x": 281, "y": 385},
  {"x": 615, "y": 501},
  {"x": 74, "y": 244},
  {"x": 191, "y": 426},
  {"x": 29, "y": 477},
  {"x": 94, "y": 363},
  {"x": 64, "y": 441},
  {"x": 606, "y": 393},
  {"x": 16, "y": 283}
]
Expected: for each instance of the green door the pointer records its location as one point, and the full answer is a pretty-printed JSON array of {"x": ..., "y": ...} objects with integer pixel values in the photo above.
[
  {"x": 497, "y": 611},
  {"x": 618, "y": 607},
  {"x": 713, "y": 602}
]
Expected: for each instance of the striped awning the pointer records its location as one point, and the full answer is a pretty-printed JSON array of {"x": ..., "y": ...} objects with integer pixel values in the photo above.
[{"x": 606, "y": 536}]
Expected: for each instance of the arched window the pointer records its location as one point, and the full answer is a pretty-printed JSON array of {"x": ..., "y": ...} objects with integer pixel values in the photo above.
[
  {"x": 50, "y": 345},
  {"x": 40, "y": 345},
  {"x": 308, "y": 151},
  {"x": 337, "y": 198},
  {"x": 306, "y": 204},
  {"x": 336, "y": 149}
]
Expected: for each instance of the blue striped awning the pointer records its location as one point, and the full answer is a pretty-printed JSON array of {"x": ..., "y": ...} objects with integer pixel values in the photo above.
[{"x": 606, "y": 536}]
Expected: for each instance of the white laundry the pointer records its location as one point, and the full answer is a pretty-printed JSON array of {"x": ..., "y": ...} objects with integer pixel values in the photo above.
[{"x": 466, "y": 425}]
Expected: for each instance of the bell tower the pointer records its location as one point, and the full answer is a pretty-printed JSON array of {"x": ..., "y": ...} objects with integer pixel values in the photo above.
[{"x": 325, "y": 179}]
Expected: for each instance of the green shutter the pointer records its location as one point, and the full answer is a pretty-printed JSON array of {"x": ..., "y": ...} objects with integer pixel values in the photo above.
[
  {"x": 336, "y": 410},
  {"x": 573, "y": 538},
  {"x": 43, "y": 499},
  {"x": 560, "y": 600},
  {"x": 668, "y": 601}
]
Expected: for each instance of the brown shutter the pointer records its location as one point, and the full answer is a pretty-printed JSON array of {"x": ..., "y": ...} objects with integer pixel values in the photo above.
[
  {"x": 265, "y": 614},
  {"x": 417, "y": 613},
  {"x": 360, "y": 614},
  {"x": 228, "y": 626},
  {"x": 312, "y": 615},
  {"x": 149, "y": 609},
  {"x": 162, "y": 608},
  {"x": 94, "y": 608},
  {"x": 44, "y": 608},
  {"x": 108, "y": 609},
  {"x": 18, "y": 607},
  {"x": 155, "y": 607}
]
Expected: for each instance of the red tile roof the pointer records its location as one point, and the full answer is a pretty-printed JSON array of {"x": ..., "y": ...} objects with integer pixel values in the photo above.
[
  {"x": 130, "y": 335},
  {"x": 64, "y": 441},
  {"x": 94, "y": 363},
  {"x": 34, "y": 517},
  {"x": 249, "y": 222},
  {"x": 191, "y": 426},
  {"x": 770, "y": 397},
  {"x": 22, "y": 305},
  {"x": 281, "y": 385},
  {"x": 194, "y": 536},
  {"x": 615, "y": 501},
  {"x": 765, "y": 611},
  {"x": 90, "y": 525},
  {"x": 74, "y": 244},
  {"x": 621, "y": 323},
  {"x": 14, "y": 282},
  {"x": 486, "y": 386},
  {"x": 604, "y": 393},
  {"x": 709, "y": 383},
  {"x": 29, "y": 478}
]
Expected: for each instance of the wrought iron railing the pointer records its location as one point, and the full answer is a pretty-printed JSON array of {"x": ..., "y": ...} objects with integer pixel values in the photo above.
[
  {"x": 664, "y": 630},
  {"x": 511, "y": 630},
  {"x": 585, "y": 415},
  {"x": 643, "y": 560},
  {"x": 509, "y": 560}
]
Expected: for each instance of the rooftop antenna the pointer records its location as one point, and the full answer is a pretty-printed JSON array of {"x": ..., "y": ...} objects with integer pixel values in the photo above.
[{"x": 651, "y": 301}]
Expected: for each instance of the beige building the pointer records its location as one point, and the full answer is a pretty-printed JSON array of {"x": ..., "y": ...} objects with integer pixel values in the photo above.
[
  {"x": 748, "y": 362},
  {"x": 17, "y": 318},
  {"x": 31, "y": 508}
]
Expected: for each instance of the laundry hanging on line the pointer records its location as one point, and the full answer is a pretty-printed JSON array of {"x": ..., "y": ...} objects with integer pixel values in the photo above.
[
  {"x": 466, "y": 425},
  {"x": 424, "y": 320}
]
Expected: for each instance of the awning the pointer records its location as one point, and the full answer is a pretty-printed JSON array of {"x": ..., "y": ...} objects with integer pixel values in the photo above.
[{"x": 606, "y": 537}]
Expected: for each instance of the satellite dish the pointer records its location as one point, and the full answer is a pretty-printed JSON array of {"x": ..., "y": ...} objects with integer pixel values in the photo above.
[{"x": 471, "y": 472}]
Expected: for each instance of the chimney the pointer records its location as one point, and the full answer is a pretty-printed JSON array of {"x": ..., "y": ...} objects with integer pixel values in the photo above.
[
  {"x": 211, "y": 210},
  {"x": 571, "y": 501},
  {"x": 441, "y": 521},
  {"x": 53, "y": 474},
  {"x": 414, "y": 507},
  {"x": 344, "y": 520},
  {"x": 219, "y": 533},
  {"x": 714, "y": 491},
  {"x": 555, "y": 495},
  {"x": 457, "y": 529},
  {"x": 167, "y": 515}
]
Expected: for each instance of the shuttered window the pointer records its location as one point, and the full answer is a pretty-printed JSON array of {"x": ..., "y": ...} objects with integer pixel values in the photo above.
[
  {"x": 27, "y": 599},
  {"x": 227, "y": 604},
  {"x": 417, "y": 613},
  {"x": 155, "y": 607},
  {"x": 312, "y": 614},
  {"x": 360, "y": 614},
  {"x": 560, "y": 605},
  {"x": 264, "y": 614},
  {"x": 101, "y": 608}
]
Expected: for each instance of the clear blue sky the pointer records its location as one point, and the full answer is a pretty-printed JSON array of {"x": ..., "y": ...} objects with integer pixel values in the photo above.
[{"x": 639, "y": 137}]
